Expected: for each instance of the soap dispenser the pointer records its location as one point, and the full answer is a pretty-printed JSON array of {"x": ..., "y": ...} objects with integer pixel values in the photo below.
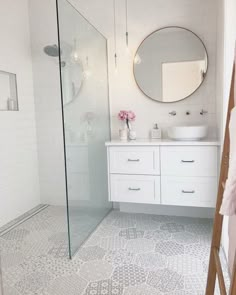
[{"x": 156, "y": 132}]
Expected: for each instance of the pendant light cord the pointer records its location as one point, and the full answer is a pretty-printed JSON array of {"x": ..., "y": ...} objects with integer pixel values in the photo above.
[
  {"x": 115, "y": 36},
  {"x": 126, "y": 23}
]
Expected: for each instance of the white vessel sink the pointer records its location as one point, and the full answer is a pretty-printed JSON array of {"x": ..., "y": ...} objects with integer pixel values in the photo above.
[{"x": 187, "y": 132}]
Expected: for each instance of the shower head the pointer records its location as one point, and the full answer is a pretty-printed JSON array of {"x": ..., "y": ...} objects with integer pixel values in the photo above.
[{"x": 51, "y": 50}]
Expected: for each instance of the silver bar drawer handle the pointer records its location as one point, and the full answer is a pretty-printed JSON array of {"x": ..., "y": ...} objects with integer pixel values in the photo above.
[
  {"x": 133, "y": 160},
  {"x": 188, "y": 192},
  {"x": 184, "y": 161},
  {"x": 134, "y": 189}
]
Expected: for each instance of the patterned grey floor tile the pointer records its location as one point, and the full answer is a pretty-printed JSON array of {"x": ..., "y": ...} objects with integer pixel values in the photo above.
[
  {"x": 162, "y": 218},
  {"x": 198, "y": 251},
  {"x": 158, "y": 235},
  {"x": 33, "y": 283},
  {"x": 169, "y": 248},
  {"x": 205, "y": 240},
  {"x": 37, "y": 223},
  {"x": 105, "y": 231},
  {"x": 93, "y": 240},
  {"x": 60, "y": 237},
  {"x": 185, "y": 265},
  {"x": 55, "y": 266},
  {"x": 12, "y": 246},
  {"x": 95, "y": 270},
  {"x": 151, "y": 261},
  {"x": 140, "y": 245},
  {"x": 205, "y": 265},
  {"x": 68, "y": 285},
  {"x": 126, "y": 248},
  {"x": 36, "y": 245},
  {"x": 141, "y": 290},
  {"x": 113, "y": 243},
  {"x": 91, "y": 253},
  {"x": 12, "y": 275},
  {"x": 16, "y": 234},
  {"x": 104, "y": 287},
  {"x": 131, "y": 233},
  {"x": 195, "y": 282},
  {"x": 189, "y": 220},
  {"x": 12, "y": 259},
  {"x": 185, "y": 238},
  {"x": 199, "y": 229},
  {"x": 129, "y": 275},
  {"x": 166, "y": 280},
  {"x": 9, "y": 290},
  {"x": 120, "y": 256},
  {"x": 172, "y": 227},
  {"x": 59, "y": 225},
  {"x": 60, "y": 250},
  {"x": 148, "y": 225},
  {"x": 124, "y": 222},
  {"x": 184, "y": 292}
]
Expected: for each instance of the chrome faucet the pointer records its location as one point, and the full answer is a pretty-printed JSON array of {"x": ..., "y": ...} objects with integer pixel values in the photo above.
[
  {"x": 173, "y": 113},
  {"x": 203, "y": 112}
]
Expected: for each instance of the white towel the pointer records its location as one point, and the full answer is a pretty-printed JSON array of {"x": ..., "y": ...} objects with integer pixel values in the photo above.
[{"x": 229, "y": 200}]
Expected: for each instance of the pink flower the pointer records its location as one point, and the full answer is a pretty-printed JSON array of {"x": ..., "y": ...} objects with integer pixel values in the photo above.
[
  {"x": 123, "y": 115},
  {"x": 131, "y": 116},
  {"x": 126, "y": 115}
]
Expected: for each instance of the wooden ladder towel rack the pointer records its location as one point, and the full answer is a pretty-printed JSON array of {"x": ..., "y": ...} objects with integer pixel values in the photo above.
[{"x": 215, "y": 268}]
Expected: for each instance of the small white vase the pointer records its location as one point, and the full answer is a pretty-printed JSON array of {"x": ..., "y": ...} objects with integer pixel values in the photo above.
[
  {"x": 123, "y": 134},
  {"x": 132, "y": 135}
]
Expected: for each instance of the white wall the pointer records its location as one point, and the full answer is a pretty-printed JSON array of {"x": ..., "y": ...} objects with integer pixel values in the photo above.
[
  {"x": 43, "y": 25},
  {"x": 19, "y": 183},
  {"x": 145, "y": 17}
]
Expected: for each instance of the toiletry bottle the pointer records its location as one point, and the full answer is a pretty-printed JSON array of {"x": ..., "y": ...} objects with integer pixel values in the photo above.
[{"x": 156, "y": 132}]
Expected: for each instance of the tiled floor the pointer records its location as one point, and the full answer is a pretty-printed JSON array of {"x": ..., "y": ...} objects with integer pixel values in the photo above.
[{"x": 128, "y": 254}]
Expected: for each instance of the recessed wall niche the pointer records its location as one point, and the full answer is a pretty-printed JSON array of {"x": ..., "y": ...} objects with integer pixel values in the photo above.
[{"x": 8, "y": 92}]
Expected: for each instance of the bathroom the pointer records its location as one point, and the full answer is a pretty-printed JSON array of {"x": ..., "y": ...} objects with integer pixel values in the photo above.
[{"x": 108, "y": 186}]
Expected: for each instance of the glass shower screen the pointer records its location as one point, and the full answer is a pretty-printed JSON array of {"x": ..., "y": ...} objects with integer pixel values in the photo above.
[{"x": 84, "y": 81}]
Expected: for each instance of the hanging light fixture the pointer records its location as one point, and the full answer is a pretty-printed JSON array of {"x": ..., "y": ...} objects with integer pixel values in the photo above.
[
  {"x": 87, "y": 73},
  {"x": 115, "y": 37},
  {"x": 75, "y": 54},
  {"x": 126, "y": 24}
]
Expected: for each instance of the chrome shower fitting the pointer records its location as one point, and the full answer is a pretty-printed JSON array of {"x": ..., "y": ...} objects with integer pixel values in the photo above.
[{"x": 203, "y": 112}]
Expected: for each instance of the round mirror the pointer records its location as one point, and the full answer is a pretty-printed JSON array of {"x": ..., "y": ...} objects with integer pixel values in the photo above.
[{"x": 170, "y": 64}]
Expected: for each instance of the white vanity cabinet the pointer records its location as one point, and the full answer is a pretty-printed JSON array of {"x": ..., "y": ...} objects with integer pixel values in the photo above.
[{"x": 163, "y": 172}]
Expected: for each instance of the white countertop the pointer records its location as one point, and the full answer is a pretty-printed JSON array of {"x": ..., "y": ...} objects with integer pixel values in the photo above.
[{"x": 162, "y": 142}]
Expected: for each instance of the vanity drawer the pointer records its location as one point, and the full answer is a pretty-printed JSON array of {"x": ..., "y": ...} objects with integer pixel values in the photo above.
[
  {"x": 134, "y": 160},
  {"x": 189, "y": 161},
  {"x": 135, "y": 189},
  {"x": 189, "y": 191}
]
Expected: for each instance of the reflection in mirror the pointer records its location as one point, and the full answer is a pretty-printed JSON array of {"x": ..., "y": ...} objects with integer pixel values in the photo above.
[
  {"x": 72, "y": 75},
  {"x": 170, "y": 64},
  {"x": 73, "y": 72}
]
